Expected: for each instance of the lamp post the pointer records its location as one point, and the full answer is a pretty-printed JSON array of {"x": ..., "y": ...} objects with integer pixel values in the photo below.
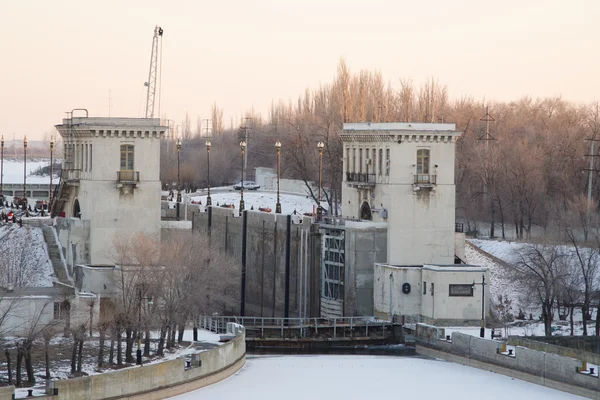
[
  {"x": 208, "y": 199},
  {"x": 25, "y": 172},
  {"x": 139, "y": 348},
  {"x": 320, "y": 146},
  {"x": 243, "y": 147},
  {"x": 2, "y": 169},
  {"x": 482, "y": 329},
  {"x": 178, "y": 182},
  {"x": 278, "y": 147},
  {"x": 51, "y": 169}
]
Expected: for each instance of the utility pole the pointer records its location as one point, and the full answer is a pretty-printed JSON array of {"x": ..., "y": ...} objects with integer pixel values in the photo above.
[
  {"x": 591, "y": 171},
  {"x": 487, "y": 138},
  {"x": 246, "y": 129}
]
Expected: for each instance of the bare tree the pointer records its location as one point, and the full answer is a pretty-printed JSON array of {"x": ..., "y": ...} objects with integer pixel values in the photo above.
[{"x": 539, "y": 270}]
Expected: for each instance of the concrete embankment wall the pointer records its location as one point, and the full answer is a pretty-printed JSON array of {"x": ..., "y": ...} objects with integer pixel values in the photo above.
[
  {"x": 582, "y": 355},
  {"x": 156, "y": 381},
  {"x": 546, "y": 369}
]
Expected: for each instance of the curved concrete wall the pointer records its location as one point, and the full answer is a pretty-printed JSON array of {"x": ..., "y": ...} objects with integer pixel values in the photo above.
[{"x": 157, "y": 381}]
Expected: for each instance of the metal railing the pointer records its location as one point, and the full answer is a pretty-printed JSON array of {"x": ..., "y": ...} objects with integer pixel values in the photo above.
[
  {"x": 128, "y": 176},
  {"x": 425, "y": 179},
  {"x": 359, "y": 177},
  {"x": 218, "y": 324}
]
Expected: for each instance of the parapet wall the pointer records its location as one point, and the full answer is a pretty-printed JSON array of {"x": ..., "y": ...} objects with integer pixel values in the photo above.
[
  {"x": 546, "y": 369},
  {"x": 156, "y": 381}
]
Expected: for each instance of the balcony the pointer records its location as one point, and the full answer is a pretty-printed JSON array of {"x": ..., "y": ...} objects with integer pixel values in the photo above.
[
  {"x": 71, "y": 176},
  {"x": 358, "y": 179},
  {"x": 126, "y": 177},
  {"x": 425, "y": 180}
]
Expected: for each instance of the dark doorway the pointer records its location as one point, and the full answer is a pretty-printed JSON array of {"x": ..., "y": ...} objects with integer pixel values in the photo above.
[
  {"x": 76, "y": 209},
  {"x": 365, "y": 212}
]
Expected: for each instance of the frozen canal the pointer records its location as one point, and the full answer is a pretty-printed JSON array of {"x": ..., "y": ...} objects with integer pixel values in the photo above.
[{"x": 366, "y": 377}]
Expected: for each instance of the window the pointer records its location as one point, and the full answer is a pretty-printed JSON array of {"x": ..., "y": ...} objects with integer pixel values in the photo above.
[
  {"x": 127, "y": 157},
  {"x": 360, "y": 160},
  {"x": 81, "y": 156},
  {"x": 465, "y": 290},
  {"x": 91, "y": 157},
  {"x": 374, "y": 160},
  {"x": 422, "y": 162},
  {"x": 87, "y": 157},
  {"x": 353, "y": 159},
  {"x": 380, "y": 161},
  {"x": 424, "y": 287},
  {"x": 387, "y": 162},
  {"x": 347, "y": 159}
]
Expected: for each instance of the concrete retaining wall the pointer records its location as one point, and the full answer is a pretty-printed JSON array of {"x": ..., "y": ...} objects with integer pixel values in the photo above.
[
  {"x": 551, "y": 348},
  {"x": 535, "y": 366},
  {"x": 157, "y": 381}
]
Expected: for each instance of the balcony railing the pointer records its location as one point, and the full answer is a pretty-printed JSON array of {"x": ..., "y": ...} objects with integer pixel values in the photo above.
[
  {"x": 126, "y": 176},
  {"x": 425, "y": 179},
  {"x": 71, "y": 175},
  {"x": 361, "y": 178}
]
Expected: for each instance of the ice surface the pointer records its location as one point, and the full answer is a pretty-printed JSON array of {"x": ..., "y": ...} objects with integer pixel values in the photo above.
[{"x": 366, "y": 377}]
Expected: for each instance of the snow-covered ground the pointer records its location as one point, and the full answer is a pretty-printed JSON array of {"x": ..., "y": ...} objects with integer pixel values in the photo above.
[
  {"x": 365, "y": 377},
  {"x": 24, "y": 257},
  {"x": 12, "y": 171},
  {"x": 503, "y": 283},
  {"x": 259, "y": 199}
]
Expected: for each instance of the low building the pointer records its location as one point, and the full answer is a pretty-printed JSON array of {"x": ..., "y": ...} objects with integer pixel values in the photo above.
[
  {"x": 445, "y": 295},
  {"x": 27, "y": 311}
]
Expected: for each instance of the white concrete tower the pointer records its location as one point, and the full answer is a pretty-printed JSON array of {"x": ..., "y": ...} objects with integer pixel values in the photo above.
[
  {"x": 403, "y": 173},
  {"x": 110, "y": 179}
]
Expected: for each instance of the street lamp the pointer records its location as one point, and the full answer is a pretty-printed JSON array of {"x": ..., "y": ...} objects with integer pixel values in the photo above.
[
  {"x": 243, "y": 147},
  {"x": 178, "y": 182},
  {"x": 51, "y": 169},
  {"x": 25, "y": 172},
  {"x": 208, "y": 200},
  {"x": 320, "y": 145},
  {"x": 482, "y": 329},
  {"x": 139, "y": 348},
  {"x": 278, "y": 147}
]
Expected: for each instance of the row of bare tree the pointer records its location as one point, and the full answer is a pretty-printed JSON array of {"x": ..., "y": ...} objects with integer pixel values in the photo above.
[
  {"x": 161, "y": 285},
  {"x": 561, "y": 278}
]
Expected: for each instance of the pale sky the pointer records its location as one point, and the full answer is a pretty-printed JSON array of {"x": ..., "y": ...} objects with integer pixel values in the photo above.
[{"x": 64, "y": 54}]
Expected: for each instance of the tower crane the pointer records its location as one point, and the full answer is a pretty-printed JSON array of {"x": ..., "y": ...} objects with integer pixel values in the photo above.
[{"x": 154, "y": 67}]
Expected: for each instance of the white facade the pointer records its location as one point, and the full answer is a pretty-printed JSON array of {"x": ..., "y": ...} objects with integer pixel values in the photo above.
[
  {"x": 403, "y": 173},
  {"x": 438, "y": 294},
  {"x": 26, "y": 311},
  {"x": 111, "y": 179}
]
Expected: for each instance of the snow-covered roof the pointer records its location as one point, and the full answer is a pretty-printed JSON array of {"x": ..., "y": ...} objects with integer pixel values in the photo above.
[
  {"x": 455, "y": 268},
  {"x": 116, "y": 122},
  {"x": 398, "y": 126}
]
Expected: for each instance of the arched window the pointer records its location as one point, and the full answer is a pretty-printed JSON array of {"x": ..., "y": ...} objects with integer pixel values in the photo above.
[
  {"x": 76, "y": 209},
  {"x": 365, "y": 211}
]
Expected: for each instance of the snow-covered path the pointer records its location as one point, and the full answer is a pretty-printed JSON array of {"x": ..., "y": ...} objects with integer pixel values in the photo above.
[{"x": 366, "y": 377}]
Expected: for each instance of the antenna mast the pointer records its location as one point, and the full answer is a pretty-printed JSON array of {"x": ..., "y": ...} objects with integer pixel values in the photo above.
[{"x": 151, "y": 83}]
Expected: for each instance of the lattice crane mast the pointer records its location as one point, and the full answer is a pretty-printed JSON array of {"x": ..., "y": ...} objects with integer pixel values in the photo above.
[{"x": 152, "y": 76}]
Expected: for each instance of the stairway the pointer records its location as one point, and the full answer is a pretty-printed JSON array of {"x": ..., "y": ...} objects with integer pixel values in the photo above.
[{"x": 55, "y": 255}]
